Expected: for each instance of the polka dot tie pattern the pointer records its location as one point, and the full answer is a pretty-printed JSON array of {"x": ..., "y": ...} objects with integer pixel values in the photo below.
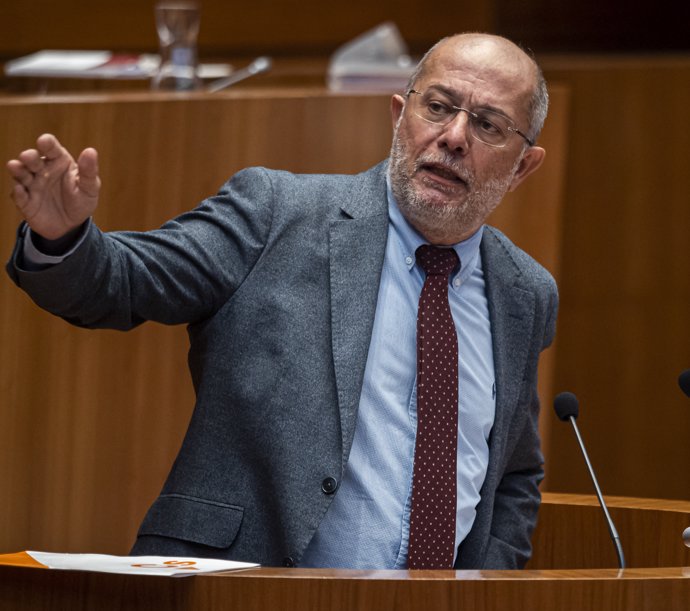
[{"x": 433, "y": 513}]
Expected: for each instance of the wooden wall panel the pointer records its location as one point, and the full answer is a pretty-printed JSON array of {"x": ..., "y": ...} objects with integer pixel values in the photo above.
[
  {"x": 624, "y": 328},
  {"x": 92, "y": 419},
  {"x": 279, "y": 27},
  {"x": 310, "y": 27}
]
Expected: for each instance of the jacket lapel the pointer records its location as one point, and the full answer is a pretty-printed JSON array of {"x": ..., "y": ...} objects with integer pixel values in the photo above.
[{"x": 357, "y": 244}]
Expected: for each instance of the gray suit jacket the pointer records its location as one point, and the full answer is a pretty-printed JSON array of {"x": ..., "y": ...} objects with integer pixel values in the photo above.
[{"x": 277, "y": 277}]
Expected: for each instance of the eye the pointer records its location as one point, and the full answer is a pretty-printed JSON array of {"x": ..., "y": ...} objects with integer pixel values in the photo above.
[
  {"x": 488, "y": 125},
  {"x": 438, "y": 109}
]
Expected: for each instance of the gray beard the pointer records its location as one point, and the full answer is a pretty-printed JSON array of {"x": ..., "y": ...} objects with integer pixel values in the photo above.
[{"x": 456, "y": 217}]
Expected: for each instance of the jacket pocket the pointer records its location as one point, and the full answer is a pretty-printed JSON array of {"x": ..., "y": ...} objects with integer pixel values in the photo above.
[{"x": 193, "y": 519}]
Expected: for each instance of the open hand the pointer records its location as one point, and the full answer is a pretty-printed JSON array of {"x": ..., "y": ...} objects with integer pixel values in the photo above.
[{"x": 53, "y": 192}]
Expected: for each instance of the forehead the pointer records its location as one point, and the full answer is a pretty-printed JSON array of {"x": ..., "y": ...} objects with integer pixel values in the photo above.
[{"x": 483, "y": 71}]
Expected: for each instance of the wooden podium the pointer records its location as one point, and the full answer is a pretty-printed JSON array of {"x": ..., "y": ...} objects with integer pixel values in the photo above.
[
  {"x": 663, "y": 589},
  {"x": 570, "y": 530}
]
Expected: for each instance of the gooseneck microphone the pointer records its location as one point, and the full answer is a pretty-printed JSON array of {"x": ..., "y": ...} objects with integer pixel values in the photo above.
[
  {"x": 567, "y": 408},
  {"x": 684, "y": 382}
]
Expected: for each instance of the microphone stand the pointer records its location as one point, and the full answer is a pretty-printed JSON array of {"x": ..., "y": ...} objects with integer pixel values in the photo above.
[{"x": 612, "y": 528}]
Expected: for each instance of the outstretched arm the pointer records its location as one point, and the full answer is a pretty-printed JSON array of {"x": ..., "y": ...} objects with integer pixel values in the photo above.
[{"x": 53, "y": 192}]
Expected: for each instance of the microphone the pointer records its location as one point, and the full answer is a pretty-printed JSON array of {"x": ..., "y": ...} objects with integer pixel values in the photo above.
[
  {"x": 684, "y": 382},
  {"x": 567, "y": 407},
  {"x": 259, "y": 65}
]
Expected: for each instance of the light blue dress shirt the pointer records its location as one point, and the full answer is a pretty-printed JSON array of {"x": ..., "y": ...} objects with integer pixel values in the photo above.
[{"x": 367, "y": 524}]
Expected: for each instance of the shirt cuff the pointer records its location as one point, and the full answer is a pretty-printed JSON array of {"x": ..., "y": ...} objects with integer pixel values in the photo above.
[{"x": 35, "y": 259}]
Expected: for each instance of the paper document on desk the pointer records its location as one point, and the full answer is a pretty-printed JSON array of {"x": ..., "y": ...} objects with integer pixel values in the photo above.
[
  {"x": 82, "y": 64},
  {"x": 97, "y": 65},
  {"x": 166, "y": 566}
]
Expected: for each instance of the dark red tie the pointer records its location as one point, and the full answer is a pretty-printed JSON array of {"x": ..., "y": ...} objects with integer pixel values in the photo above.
[{"x": 433, "y": 513}]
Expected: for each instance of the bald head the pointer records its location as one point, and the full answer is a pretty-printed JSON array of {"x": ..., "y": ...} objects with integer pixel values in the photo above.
[{"x": 502, "y": 59}]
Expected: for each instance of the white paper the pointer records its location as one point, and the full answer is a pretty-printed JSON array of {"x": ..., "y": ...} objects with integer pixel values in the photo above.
[
  {"x": 97, "y": 64},
  {"x": 57, "y": 62},
  {"x": 138, "y": 565}
]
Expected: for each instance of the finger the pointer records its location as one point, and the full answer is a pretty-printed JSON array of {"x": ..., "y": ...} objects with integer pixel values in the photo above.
[
  {"x": 89, "y": 181},
  {"x": 25, "y": 178},
  {"x": 19, "y": 172},
  {"x": 50, "y": 148},
  {"x": 55, "y": 157},
  {"x": 19, "y": 196},
  {"x": 32, "y": 161}
]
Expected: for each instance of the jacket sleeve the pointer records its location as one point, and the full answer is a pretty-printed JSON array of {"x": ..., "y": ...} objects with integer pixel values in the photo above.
[{"x": 179, "y": 273}]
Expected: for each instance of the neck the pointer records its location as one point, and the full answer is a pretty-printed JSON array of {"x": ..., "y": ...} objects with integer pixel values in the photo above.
[{"x": 443, "y": 237}]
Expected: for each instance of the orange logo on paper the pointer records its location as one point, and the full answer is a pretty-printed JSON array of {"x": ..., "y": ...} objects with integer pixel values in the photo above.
[{"x": 185, "y": 565}]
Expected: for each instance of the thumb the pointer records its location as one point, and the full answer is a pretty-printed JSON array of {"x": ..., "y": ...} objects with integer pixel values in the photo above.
[{"x": 89, "y": 180}]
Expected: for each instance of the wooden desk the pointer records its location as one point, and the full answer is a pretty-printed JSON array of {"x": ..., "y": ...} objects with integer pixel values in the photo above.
[
  {"x": 286, "y": 72},
  {"x": 572, "y": 533},
  {"x": 666, "y": 589},
  {"x": 568, "y": 532}
]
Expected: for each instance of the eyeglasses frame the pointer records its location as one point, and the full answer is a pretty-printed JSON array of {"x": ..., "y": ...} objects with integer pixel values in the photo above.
[{"x": 457, "y": 109}]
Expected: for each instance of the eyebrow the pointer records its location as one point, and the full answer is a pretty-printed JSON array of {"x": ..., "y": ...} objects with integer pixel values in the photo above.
[{"x": 454, "y": 96}]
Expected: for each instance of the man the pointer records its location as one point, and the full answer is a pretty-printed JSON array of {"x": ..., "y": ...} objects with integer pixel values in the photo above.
[{"x": 301, "y": 294}]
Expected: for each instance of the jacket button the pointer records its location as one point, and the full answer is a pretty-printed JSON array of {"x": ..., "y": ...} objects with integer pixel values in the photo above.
[
  {"x": 288, "y": 561},
  {"x": 329, "y": 485}
]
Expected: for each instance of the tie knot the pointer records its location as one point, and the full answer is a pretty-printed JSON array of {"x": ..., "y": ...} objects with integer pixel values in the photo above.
[{"x": 435, "y": 260}]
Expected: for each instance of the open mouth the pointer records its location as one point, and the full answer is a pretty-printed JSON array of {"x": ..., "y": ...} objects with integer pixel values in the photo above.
[{"x": 445, "y": 174}]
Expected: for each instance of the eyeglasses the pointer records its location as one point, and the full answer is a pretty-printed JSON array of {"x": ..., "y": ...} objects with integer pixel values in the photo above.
[{"x": 487, "y": 126}]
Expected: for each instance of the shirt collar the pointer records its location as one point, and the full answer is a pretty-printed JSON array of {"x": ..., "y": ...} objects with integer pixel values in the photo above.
[{"x": 409, "y": 239}]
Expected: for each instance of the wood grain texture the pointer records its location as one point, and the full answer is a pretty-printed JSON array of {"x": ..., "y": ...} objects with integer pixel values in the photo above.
[
  {"x": 315, "y": 590},
  {"x": 624, "y": 329},
  {"x": 92, "y": 419},
  {"x": 263, "y": 27},
  {"x": 572, "y": 532},
  {"x": 311, "y": 27}
]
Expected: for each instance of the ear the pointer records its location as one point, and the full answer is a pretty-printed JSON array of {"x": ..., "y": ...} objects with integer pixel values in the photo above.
[
  {"x": 529, "y": 163},
  {"x": 397, "y": 105}
]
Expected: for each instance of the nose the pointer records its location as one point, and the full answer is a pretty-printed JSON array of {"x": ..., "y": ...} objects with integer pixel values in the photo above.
[{"x": 456, "y": 134}]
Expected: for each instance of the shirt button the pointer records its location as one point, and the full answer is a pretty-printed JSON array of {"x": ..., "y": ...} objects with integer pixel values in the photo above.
[
  {"x": 288, "y": 561},
  {"x": 329, "y": 485},
  {"x": 408, "y": 260},
  {"x": 456, "y": 282}
]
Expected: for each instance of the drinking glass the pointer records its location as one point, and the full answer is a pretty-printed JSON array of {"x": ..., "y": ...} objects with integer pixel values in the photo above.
[{"x": 177, "y": 24}]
